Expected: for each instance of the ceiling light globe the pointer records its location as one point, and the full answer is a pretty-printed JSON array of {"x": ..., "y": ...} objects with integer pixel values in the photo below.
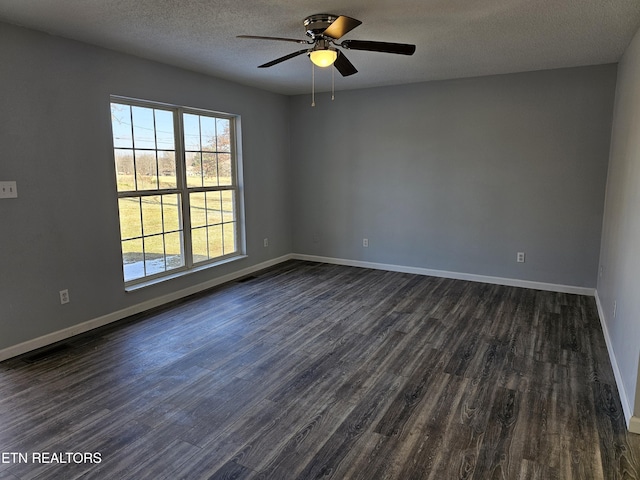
[{"x": 323, "y": 58}]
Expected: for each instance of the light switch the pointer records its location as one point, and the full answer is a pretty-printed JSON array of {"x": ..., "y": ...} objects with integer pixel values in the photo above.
[{"x": 8, "y": 190}]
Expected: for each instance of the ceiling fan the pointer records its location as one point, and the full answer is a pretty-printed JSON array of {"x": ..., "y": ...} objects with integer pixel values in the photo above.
[{"x": 323, "y": 29}]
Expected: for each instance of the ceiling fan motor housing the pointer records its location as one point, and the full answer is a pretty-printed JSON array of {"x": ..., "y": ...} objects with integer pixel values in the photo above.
[
  {"x": 322, "y": 44},
  {"x": 318, "y": 23}
]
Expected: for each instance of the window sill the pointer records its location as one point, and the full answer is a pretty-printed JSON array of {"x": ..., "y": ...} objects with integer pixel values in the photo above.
[{"x": 180, "y": 273}]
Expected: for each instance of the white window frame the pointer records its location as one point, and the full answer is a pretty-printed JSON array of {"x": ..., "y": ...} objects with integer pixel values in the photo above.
[{"x": 184, "y": 191}]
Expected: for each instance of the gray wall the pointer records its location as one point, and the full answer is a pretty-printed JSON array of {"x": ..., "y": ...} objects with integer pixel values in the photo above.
[
  {"x": 62, "y": 230},
  {"x": 459, "y": 175},
  {"x": 620, "y": 256}
]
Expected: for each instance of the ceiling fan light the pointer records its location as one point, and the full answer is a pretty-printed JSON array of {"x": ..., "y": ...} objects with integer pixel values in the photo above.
[{"x": 323, "y": 58}]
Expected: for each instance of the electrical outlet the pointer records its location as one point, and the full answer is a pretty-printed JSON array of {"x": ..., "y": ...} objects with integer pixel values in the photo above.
[
  {"x": 64, "y": 296},
  {"x": 520, "y": 257},
  {"x": 266, "y": 242},
  {"x": 8, "y": 190},
  {"x": 365, "y": 242}
]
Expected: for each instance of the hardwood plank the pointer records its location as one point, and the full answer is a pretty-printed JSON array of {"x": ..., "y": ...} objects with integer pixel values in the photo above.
[
  {"x": 495, "y": 459},
  {"x": 530, "y": 470},
  {"x": 409, "y": 397},
  {"x": 329, "y": 457},
  {"x": 427, "y": 437},
  {"x": 292, "y": 456},
  {"x": 206, "y": 465}
]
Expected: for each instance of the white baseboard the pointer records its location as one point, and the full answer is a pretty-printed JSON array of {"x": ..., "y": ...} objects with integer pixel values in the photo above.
[
  {"x": 626, "y": 407},
  {"x": 511, "y": 282},
  {"x": 65, "y": 333}
]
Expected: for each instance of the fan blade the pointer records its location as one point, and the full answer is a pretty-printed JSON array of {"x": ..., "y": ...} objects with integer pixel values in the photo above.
[
  {"x": 400, "y": 48},
  {"x": 282, "y": 59},
  {"x": 343, "y": 65},
  {"x": 281, "y": 39},
  {"x": 341, "y": 26}
]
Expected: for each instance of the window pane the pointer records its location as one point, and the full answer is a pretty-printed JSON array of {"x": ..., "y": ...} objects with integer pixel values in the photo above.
[
  {"x": 228, "y": 206},
  {"x": 198, "y": 209},
  {"x": 151, "y": 215},
  {"x": 130, "y": 222},
  {"x": 208, "y": 129},
  {"x": 193, "y": 162},
  {"x": 171, "y": 213},
  {"x": 125, "y": 172},
  {"x": 143, "y": 128},
  {"x": 214, "y": 208},
  {"x": 223, "y": 135},
  {"x": 167, "y": 170},
  {"x": 230, "y": 245},
  {"x": 121, "y": 126},
  {"x": 225, "y": 171},
  {"x": 173, "y": 247},
  {"x": 146, "y": 173},
  {"x": 215, "y": 241},
  {"x": 191, "y": 126},
  {"x": 210, "y": 169},
  {"x": 164, "y": 130},
  {"x": 199, "y": 245},
  {"x": 154, "y": 254},
  {"x": 132, "y": 259}
]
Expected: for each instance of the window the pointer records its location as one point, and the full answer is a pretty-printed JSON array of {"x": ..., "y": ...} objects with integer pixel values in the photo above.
[{"x": 177, "y": 183}]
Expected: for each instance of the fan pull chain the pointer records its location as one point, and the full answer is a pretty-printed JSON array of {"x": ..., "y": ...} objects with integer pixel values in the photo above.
[
  {"x": 313, "y": 85},
  {"x": 333, "y": 83}
]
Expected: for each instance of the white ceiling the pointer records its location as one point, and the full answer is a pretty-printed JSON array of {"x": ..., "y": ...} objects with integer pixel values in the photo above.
[{"x": 454, "y": 38}]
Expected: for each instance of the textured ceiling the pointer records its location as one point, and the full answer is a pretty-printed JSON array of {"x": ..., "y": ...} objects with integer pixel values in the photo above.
[{"x": 454, "y": 38}]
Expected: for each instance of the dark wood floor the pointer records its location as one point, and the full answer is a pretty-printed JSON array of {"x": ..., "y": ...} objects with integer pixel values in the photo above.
[{"x": 318, "y": 371}]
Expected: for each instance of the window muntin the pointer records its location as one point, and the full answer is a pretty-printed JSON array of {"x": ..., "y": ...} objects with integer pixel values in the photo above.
[{"x": 176, "y": 173}]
